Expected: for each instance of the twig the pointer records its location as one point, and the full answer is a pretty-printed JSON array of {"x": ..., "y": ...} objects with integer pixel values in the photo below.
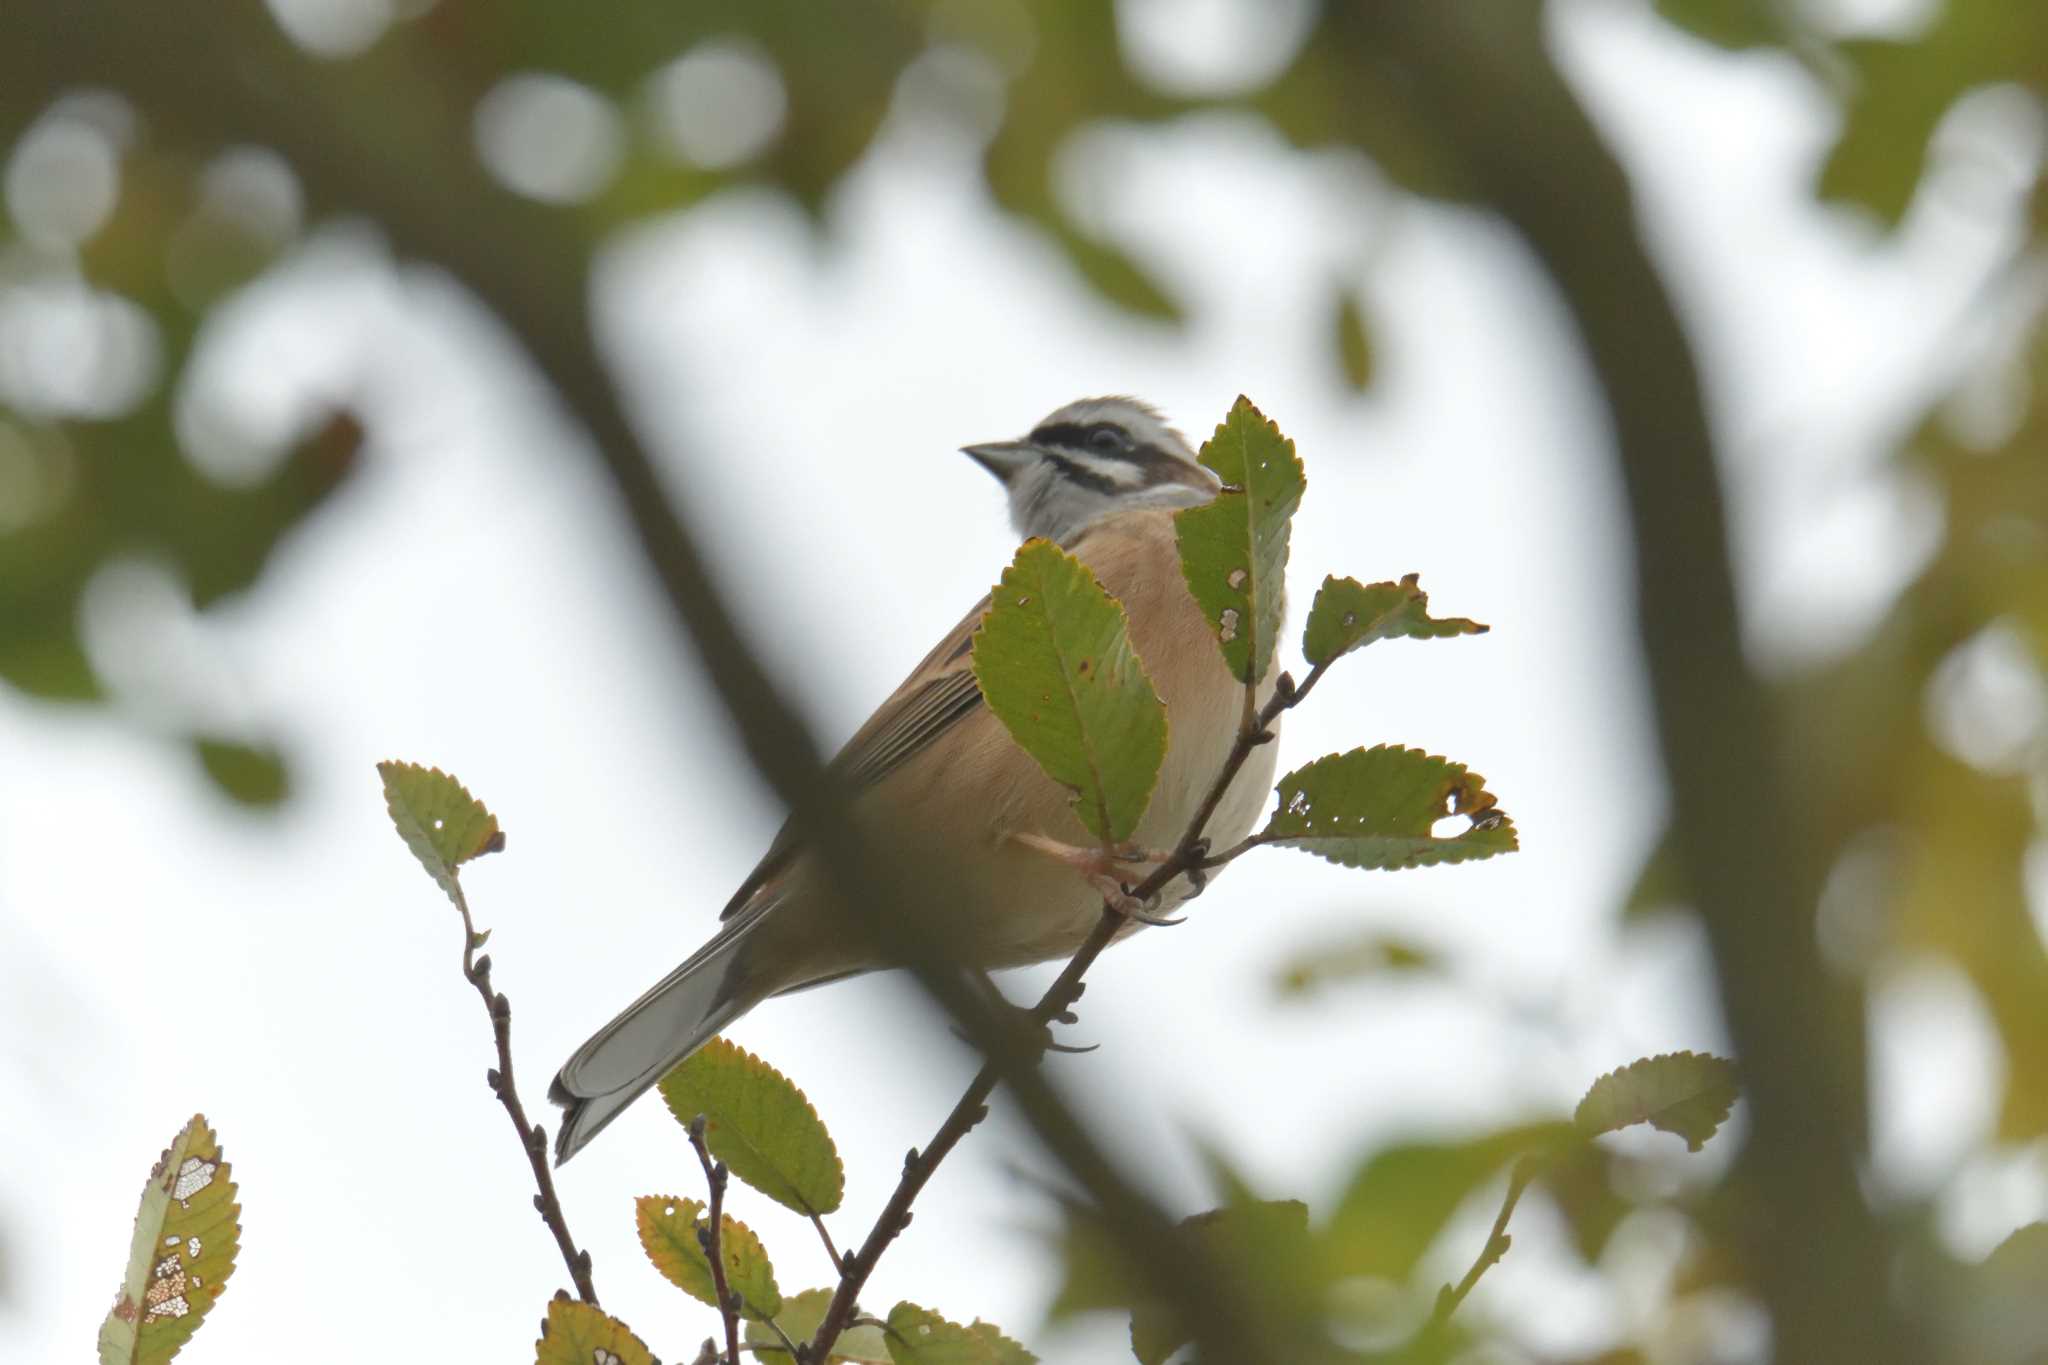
[
  {"x": 1190, "y": 855},
  {"x": 532, "y": 1138},
  {"x": 1497, "y": 1243},
  {"x": 708, "y": 1236},
  {"x": 838, "y": 1261}
]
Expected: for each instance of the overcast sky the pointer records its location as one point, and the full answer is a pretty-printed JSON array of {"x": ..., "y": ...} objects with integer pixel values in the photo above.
[{"x": 472, "y": 601}]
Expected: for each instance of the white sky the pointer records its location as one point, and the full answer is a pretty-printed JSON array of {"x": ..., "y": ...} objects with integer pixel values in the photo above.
[{"x": 472, "y": 601}]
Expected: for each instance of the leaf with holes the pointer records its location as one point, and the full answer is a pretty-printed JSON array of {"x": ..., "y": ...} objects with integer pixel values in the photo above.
[
  {"x": 1687, "y": 1093},
  {"x": 1054, "y": 659},
  {"x": 669, "y": 1234},
  {"x": 1348, "y": 614},
  {"x": 584, "y": 1334},
  {"x": 1233, "y": 551},
  {"x": 181, "y": 1255},
  {"x": 439, "y": 820},
  {"x": 801, "y": 1317},
  {"x": 918, "y": 1336},
  {"x": 1377, "y": 808},
  {"x": 759, "y": 1124}
]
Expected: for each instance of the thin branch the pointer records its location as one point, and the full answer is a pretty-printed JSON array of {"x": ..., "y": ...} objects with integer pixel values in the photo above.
[
  {"x": 1497, "y": 1243},
  {"x": 533, "y": 1139},
  {"x": 708, "y": 1238},
  {"x": 1189, "y": 856}
]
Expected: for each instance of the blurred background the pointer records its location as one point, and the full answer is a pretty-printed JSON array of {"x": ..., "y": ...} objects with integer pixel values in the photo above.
[{"x": 294, "y": 477}]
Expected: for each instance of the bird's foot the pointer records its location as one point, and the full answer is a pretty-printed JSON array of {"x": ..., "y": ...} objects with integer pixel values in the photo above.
[{"x": 1099, "y": 866}]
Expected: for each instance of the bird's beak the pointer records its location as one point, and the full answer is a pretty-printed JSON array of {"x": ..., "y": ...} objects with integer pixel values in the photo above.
[{"x": 1002, "y": 458}]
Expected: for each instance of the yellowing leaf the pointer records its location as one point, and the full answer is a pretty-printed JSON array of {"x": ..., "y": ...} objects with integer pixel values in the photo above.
[
  {"x": 182, "y": 1253},
  {"x": 801, "y": 1316},
  {"x": 1687, "y": 1093},
  {"x": 1233, "y": 551},
  {"x": 584, "y": 1334},
  {"x": 1348, "y": 614},
  {"x": 1377, "y": 808},
  {"x": 918, "y": 1336},
  {"x": 1054, "y": 660},
  {"x": 759, "y": 1124},
  {"x": 668, "y": 1232},
  {"x": 439, "y": 820}
]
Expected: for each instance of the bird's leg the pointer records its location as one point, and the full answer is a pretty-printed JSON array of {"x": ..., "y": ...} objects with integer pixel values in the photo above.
[{"x": 1099, "y": 867}]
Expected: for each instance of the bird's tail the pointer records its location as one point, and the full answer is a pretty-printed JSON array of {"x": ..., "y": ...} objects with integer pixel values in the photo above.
[{"x": 679, "y": 1015}]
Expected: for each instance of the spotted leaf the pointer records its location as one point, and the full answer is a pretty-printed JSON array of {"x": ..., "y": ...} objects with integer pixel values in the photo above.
[
  {"x": 584, "y": 1334},
  {"x": 1233, "y": 551},
  {"x": 439, "y": 820},
  {"x": 1348, "y": 614},
  {"x": 186, "y": 1236},
  {"x": 669, "y": 1234}
]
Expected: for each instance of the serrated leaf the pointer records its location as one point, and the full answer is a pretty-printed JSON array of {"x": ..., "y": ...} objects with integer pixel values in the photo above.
[
  {"x": 1233, "y": 550},
  {"x": 1687, "y": 1093},
  {"x": 1399, "y": 1200},
  {"x": 668, "y": 1229},
  {"x": 1348, "y": 614},
  {"x": 918, "y": 1336},
  {"x": 584, "y": 1334},
  {"x": 801, "y": 1316},
  {"x": 439, "y": 820},
  {"x": 1054, "y": 660},
  {"x": 183, "y": 1251},
  {"x": 1354, "y": 342},
  {"x": 1375, "y": 808},
  {"x": 759, "y": 1124}
]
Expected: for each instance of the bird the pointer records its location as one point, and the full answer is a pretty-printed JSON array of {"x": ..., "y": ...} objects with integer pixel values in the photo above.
[{"x": 933, "y": 776}]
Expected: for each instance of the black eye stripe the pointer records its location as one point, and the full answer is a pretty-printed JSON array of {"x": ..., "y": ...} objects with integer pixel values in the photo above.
[
  {"x": 1059, "y": 436},
  {"x": 1074, "y": 473}
]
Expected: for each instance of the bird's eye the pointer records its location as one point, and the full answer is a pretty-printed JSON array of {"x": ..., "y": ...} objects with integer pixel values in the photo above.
[{"x": 1106, "y": 438}]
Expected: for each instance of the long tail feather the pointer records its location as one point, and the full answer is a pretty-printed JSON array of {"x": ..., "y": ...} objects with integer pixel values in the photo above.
[{"x": 627, "y": 1056}]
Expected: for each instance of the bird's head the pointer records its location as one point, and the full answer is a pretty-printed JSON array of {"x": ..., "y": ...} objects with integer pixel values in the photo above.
[{"x": 1091, "y": 460}]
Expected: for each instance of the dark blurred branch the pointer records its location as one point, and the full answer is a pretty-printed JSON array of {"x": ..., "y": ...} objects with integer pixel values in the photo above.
[
  {"x": 382, "y": 136},
  {"x": 1480, "y": 74}
]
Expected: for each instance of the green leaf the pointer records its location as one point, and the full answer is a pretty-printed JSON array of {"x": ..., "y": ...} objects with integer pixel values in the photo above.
[
  {"x": 1687, "y": 1093},
  {"x": 1376, "y": 808},
  {"x": 1054, "y": 660},
  {"x": 252, "y": 776},
  {"x": 1399, "y": 1200},
  {"x": 584, "y": 1334},
  {"x": 801, "y": 1317},
  {"x": 918, "y": 1336},
  {"x": 1348, "y": 614},
  {"x": 1233, "y": 551},
  {"x": 1354, "y": 342},
  {"x": 183, "y": 1251},
  {"x": 439, "y": 820},
  {"x": 1261, "y": 1245},
  {"x": 1325, "y": 964},
  {"x": 759, "y": 1125},
  {"x": 668, "y": 1233}
]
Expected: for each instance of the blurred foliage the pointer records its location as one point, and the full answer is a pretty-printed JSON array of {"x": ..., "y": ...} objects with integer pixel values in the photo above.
[{"x": 1921, "y": 776}]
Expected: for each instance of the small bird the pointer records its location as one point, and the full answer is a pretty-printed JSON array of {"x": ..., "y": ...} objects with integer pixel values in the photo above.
[{"x": 936, "y": 779}]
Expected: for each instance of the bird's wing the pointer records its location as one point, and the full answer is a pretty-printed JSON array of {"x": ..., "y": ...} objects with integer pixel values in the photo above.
[{"x": 939, "y": 693}]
